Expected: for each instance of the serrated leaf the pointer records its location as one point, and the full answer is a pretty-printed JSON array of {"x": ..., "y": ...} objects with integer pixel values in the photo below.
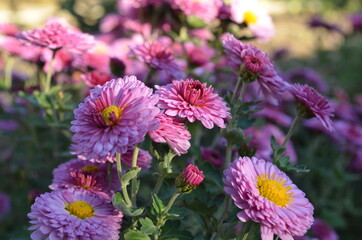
[
  {"x": 147, "y": 226},
  {"x": 135, "y": 235},
  {"x": 157, "y": 204}
]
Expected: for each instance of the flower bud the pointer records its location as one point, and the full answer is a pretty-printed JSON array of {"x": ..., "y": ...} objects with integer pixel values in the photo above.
[{"x": 189, "y": 179}]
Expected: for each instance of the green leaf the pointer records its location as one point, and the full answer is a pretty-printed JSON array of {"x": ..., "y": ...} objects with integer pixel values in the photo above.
[
  {"x": 147, "y": 226},
  {"x": 177, "y": 213},
  {"x": 135, "y": 235},
  {"x": 119, "y": 203},
  {"x": 130, "y": 175},
  {"x": 195, "y": 22},
  {"x": 157, "y": 205},
  {"x": 172, "y": 231}
]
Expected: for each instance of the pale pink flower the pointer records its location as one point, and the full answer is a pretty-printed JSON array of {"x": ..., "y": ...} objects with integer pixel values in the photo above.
[
  {"x": 193, "y": 100},
  {"x": 267, "y": 196},
  {"x": 173, "y": 132}
]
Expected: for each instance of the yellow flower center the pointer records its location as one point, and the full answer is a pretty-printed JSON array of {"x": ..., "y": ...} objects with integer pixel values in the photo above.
[
  {"x": 90, "y": 168},
  {"x": 80, "y": 209},
  {"x": 274, "y": 190},
  {"x": 250, "y": 17},
  {"x": 112, "y": 114}
]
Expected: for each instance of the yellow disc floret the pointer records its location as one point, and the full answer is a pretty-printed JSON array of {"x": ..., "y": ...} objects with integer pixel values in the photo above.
[
  {"x": 250, "y": 17},
  {"x": 90, "y": 168},
  {"x": 80, "y": 209},
  {"x": 274, "y": 189},
  {"x": 111, "y": 114}
]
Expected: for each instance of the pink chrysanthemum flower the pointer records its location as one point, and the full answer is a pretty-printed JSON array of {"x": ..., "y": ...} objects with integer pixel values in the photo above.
[
  {"x": 189, "y": 179},
  {"x": 113, "y": 117},
  {"x": 269, "y": 197},
  {"x": 173, "y": 132},
  {"x": 207, "y": 10},
  {"x": 74, "y": 214},
  {"x": 158, "y": 57},
  {"x": 311, "y": 104},
  {"x": 194, "y": 100},
  {"x": 86, "y": 174},
  {"x": 57, "y": 34},
  {"x": 254, "y": 64},
  {"x": 212, "y": 156}
]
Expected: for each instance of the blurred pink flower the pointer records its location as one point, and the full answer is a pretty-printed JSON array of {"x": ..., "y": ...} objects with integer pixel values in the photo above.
[
  {"x": 9, "y": 29},
  {"x": 193, "y": 100},
  {"x": 212, "y": 156},
  {"x": 267, "y": 196},
  {"x": 261, "y": 142},
  {"x": 56, "y": 34},
  {"x": 144, "y": 158},
  {"x": 207, "y": 10},
  {"x": 95, "y": 78},
  {"x": 322, "y": 231},
  {"x": 158, "y": 57},
  {"x": 5, "y": 204}
]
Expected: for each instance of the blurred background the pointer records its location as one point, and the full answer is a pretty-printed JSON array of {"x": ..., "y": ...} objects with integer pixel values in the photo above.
[{"x": 314, "y": 37}]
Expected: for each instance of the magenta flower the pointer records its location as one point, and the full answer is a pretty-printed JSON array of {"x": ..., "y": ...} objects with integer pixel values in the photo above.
[
  {"x": 313, "y": 104},
  {"x": 57, "y": 34},
  {"x": 189, "y": 179},
  {"x": 269, "y": 197},
  {"x": 173, "y": 132},
  {"x": 356, "y": 21},
  {"x": 113, "y": 117},
  {"x": 86, "y": 174},
  {"x": 322, "y": 231},
  {"x": 74, "y": 214},
  {"x": 254, "y": 64},
  {"x": 9, "y": 29},
  {"x": 192, "y": 99},
  {"x": 158, "y": 57},
  {"x": 207, "y": 10}
]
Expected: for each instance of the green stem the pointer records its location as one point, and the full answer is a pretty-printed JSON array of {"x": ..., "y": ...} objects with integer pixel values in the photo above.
[
  {"x": 229, "y": 149},
  {"x": 134, "y": 180},
  {"x": 158, "y": 184},
  {"x": 162, "y": 219},
  {"x": 8, "y": 72},
  {"x": 49, "y": 73},
  {"x": 124, "y": 188},
  {"x": 236, "y": 89},
  {"x": 291, "y": 130},
  {"x": 243, "y": 91}
]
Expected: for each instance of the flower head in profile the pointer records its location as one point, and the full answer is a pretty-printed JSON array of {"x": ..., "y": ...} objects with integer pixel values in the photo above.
[
  {"x": 85, "y": 174},
  {"x": 312, "y": 104},
  {"x": 172, "y": 131},
  {"x": 57, "y": 34},
  {"x": 158, "y": 57},
  {"x": 113, "y": 117},
  {"x": 193, "y": 100},
  {"x": 74, "y": 214},
  {"x": 267, "y": 196},
  {"x": 189, "y": 179},
  {"x": 95, "y": 78},
  {"x": 254, "y": 65}
]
